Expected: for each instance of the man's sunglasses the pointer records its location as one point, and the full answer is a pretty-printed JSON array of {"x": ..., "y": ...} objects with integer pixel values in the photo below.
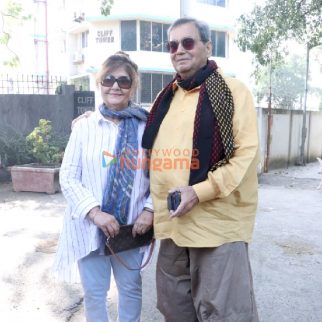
[
  {"x": 123, "y": 82},
  {"x": 187, "y": 43}
]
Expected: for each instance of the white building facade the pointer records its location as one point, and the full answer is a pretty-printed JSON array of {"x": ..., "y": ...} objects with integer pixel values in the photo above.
[
  {"x": 71, "y": 38},
  {"x": 140, "y": 29}
]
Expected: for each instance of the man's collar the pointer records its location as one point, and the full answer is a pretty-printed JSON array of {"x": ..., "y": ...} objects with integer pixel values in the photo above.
[{"x": 175, "y": 86}]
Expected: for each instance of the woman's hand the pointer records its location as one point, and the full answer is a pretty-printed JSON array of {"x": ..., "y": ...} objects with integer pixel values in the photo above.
[
  {"x": 106, "y": 222},
  {"x": 143, "y": 223}
]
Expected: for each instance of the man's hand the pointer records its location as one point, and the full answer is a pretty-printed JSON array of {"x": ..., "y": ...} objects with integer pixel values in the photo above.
[
  {"x": 189, "y": 199},
  {"x": 86, "y": 114},
  {"x": 143, "y": 223},
  {"x": 106, "y": 222}
]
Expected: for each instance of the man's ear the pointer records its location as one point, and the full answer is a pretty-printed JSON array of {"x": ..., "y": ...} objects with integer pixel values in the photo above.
[{"x": 209, "y": 48}]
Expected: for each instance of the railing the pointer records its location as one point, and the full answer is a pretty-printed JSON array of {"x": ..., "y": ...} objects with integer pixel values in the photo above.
[{"x": 30, "y": 84}]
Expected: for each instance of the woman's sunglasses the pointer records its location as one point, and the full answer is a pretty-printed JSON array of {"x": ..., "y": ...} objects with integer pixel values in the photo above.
[
  {"x": 123, "y": 82},
  {"x": 186, "y": 43}
]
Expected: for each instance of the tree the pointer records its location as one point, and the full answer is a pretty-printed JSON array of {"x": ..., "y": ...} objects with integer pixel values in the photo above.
[
  {"x": 11, "y": 15},
  {"x": 106, "y": 6},
  {"x": 287, "y": 83},
  {"x": 266, "y": 30}
]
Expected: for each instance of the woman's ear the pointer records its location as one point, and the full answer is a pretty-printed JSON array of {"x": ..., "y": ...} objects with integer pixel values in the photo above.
[{"x": 133, "y": 90}]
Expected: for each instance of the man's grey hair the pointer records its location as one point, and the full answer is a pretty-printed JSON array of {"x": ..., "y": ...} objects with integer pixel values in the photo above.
[{"x": 202, "y": 27}]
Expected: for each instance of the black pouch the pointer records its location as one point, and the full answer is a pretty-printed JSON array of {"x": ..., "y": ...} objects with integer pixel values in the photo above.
[{"x": 125, "y": 241}]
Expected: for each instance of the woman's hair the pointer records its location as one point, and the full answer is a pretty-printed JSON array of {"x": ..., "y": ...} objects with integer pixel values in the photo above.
[
  {"x": 202, "y": 27},
  {"x": 115, "y": 61}
]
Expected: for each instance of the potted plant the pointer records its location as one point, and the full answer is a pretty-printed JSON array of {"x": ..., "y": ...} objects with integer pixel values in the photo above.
[{"x": 46, "y": 149}]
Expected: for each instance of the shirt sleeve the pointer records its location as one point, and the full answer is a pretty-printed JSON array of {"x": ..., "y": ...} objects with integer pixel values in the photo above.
[
  {"x": 224, "y": 180},
  {"x": 148, "y": 202},
  {"x": 78, "y": 197}
]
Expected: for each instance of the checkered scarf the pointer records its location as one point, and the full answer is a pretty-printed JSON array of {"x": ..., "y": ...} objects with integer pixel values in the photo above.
[{"x": 213, "y": 128}]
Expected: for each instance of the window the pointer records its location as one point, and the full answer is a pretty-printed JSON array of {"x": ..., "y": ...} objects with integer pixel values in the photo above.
[
  {"x": 85, "y": 39},
  {"x": 81, "y": 83},
  {"x": 153, "y": 36},
  {"x": 145, "y": 35},
  {"x": 146, "y": 88},
  {"x": 218, "y": 3},
  {"x": 156, "y": 36},
  {"x": 62, "y": 4},
  {"x": 218, "y": 39},
  {"x": 165, "y": 37},
  {"x": 156, "y": 85},
  {"x": 128, "y": 35},
  {"x": 152, "y": 84}
]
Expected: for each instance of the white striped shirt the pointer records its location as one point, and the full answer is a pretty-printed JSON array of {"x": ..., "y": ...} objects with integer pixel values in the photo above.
[{"x": 83, "y": 177}]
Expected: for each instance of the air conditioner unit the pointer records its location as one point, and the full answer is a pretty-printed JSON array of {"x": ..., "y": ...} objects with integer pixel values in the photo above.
[
  {"x": 78, "y": 58},
  {"x": 79, "y": 16}
]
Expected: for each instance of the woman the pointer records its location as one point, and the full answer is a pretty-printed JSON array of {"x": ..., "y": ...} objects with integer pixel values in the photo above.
[{"x": 102, "y": 193}]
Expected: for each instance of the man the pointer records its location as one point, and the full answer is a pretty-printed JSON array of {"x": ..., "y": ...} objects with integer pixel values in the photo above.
[{"x": 208, "y": 122}]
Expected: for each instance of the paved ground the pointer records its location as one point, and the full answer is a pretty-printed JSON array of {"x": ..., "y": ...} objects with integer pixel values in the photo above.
[{"x": 286, "y": 254}]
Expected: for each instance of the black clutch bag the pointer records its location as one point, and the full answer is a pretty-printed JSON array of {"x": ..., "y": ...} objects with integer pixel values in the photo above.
[{"x": 125, "y": 241}]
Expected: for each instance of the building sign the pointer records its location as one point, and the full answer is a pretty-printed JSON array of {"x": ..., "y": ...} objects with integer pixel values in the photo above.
[
  {"x": 105, "y": 36},
  {"x": 83, "y": 101}
]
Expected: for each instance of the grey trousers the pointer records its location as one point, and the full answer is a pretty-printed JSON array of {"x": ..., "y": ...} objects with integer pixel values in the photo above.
[{"x": 205, "y": 284}]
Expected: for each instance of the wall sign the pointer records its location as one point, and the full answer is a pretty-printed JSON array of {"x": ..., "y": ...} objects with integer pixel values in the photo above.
[
  {"x": 83, "y": 101},
  {"x": 105, "y": 36}
]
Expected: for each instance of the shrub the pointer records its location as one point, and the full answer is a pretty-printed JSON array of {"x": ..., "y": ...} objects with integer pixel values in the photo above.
[
  {"x": 41, "y": 146},
  {"x": 45, "y": 146},
  {"x": 13, "y": 147}
]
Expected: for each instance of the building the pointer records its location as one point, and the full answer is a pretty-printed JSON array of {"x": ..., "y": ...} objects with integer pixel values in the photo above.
[
  {"x": 140, "y": 29},
  {"x": 71, "y": 38},
  {"x": 40, "y": 44}
]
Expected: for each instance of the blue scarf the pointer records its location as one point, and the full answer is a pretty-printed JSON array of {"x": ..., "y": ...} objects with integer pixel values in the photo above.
[{"x": 117, "y": 193}]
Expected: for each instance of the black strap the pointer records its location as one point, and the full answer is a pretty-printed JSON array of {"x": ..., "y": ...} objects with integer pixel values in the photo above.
[{"x": 124, "y": 263}]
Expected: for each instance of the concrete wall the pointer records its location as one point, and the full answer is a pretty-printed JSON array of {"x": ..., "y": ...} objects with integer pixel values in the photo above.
[
  {"x": 22, "y": 112},
  {"x": 314, "y": 136},
  {"x": 295, "y": 136},
  {"x": 280, "y": 139},
  {"x": 286, "y": 137}
]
